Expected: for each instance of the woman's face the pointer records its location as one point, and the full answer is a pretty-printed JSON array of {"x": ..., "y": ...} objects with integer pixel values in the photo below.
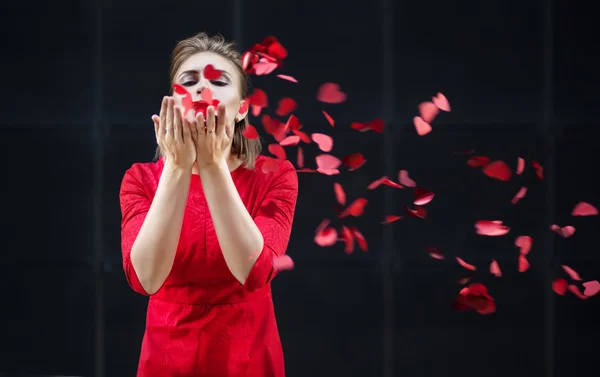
[{"x": 226, "y": 88}]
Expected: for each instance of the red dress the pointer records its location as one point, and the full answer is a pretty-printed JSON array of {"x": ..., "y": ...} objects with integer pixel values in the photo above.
[{"x": 203, "y": 322}]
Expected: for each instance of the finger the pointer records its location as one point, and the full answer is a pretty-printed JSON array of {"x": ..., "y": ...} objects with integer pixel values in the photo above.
[
  {"x": 177, "y": 125},
  {"x": 163, "y": 116},
  {"x": 156, "y": 120},
  {"x": 200, "y": 126},
  {"x": 229, "y": 129},
  {"x": 169, "y": 120},
  {"x": 193, "y": 130},
  {"x": 210, "y": 120},
  {"x": 221, "y": 120},
  {"x": 186, "y": 128}
]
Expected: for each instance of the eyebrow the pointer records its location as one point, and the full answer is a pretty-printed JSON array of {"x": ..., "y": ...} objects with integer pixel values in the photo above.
[{"x": 196, "y": 72}]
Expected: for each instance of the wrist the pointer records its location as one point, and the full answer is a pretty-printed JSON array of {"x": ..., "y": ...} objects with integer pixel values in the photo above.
[
  {"x": 216, "y": 167},
  {"x": 176, "y": 170}
]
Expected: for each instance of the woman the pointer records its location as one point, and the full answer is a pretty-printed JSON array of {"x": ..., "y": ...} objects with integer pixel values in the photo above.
[{"x": 201, "y": 227}]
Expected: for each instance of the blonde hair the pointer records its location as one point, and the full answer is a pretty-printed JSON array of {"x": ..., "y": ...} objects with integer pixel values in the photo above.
[{"x": 246, "y": 149}]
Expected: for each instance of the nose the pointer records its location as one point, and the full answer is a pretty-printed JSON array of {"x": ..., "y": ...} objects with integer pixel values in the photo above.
[{"x": 200, "y": 86}]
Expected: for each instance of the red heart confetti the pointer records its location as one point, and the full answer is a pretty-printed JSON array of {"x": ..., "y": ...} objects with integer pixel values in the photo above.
[
  {"x": 591, "y": 288},
  {"x": 405, "y": 180},
  {"x": 441, "y": 102},
  {"x": 283, "y": 263},
  {"x": 287, "y": 78},
  {"x": 210, "y": 73},
  {"x": 428, "y": 111},
  {"x": 331, "y": 93},
  {"x": 324, "y": 142},
  {"x": 559, "y": 286},
  {"x": 475, "y": 297},
  {"x": 491, "y": 228},
  {"x": 265, "y": 57},
  {"x": 354, "y": 161},
  {"x": 584, "y": 209},
  {"x": 286, "y": 106},
  {"x": 571, "y": 272},
  {"x": 566, "y": 231},
  {"x": 498, "y": 170},
  {"x": 340, "y": 195},
  {"x": 523, "y": 263},
  {"x": 250, "y": 132},
  {"x": 495, "y": 269},
  {"x": 524, "y": 242},
  {"x": 329, "y": 119},
  {"x": 422, "y": 127},
  {"x": 465, "y": 264},
  {"x": 519, "y": 195},
  {"x": 520, "y": 166}
]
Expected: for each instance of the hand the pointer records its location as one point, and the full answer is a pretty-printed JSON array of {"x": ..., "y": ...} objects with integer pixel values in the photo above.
[
  {"x": 174, "y": 135},
  {"x": 213, "y": 137}
]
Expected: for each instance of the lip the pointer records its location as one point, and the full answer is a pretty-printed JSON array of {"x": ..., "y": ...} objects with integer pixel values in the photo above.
[{"x": 201, "y": 106}]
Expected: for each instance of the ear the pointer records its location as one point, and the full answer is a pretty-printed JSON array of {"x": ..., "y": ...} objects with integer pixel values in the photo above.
[{"x": 243, "y": 110}]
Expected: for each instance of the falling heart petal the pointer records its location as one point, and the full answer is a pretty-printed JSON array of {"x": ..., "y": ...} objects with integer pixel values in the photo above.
[
  {"x": 290, "y": 140},
  {"x": 465, "y": 264},
  {"x": 326, "y": 237},
  {"x": 278, "y": 151},
  {"x": 355, "y": 209},
  {"x": 250, "y": 132},
  {"x": 571, "y": 272},
  {"x": 559, "y": 286},
  {"x": 441, "y": 102},
  {"x": 491, "y": 228},
  {"x": 435, "y": 253},
  {"x": 283, "y": 263},
  {"x": 340, "y": 195},
  {"x": 390, "y": 219},
  {"x": 422, "y": 127},
  {"x": 405, "y": 180},
  {"x": 330, "y": 93},
  {"x": 524, "y": 242},
  {"x": 584, "y": 209},
  {"x": 206, "y": 95},
  {"x": 354, "y": 161},
  {"x": 566, "y": 231},
  {"x": 575, "y": 290},
  {"x": 523, "y": 263},
  {"x": 495, "y": 268},
  {"x": 286, "y": 106},
  {"x": 591, "y": 288},
  {"x": 329, "y": 119},
  {"x": 519, "y": 195},
  {"x": 520, "y": 166},
  {"x": 498, "y": 170},
  {"x": 300, "y": 158},
  {"x": 327, "y": 162},
  {"x": 428, "y": 111},
  {"x": 324, "y": 142},
  {"x": 287, "y": 78},
  {"x": 422, "y": 196}
]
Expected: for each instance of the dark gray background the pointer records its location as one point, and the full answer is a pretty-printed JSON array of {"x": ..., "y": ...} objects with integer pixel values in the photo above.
[{"x": 82, "y": 78}]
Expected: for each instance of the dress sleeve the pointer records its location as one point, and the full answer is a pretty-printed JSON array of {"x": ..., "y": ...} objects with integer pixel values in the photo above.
[
  {"x": 134, "y": 207},
  {"x": 274, "y": 220}
]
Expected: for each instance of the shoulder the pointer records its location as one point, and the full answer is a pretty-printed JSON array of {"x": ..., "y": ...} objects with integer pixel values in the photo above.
[
  {"x": 143, "y": 173},
  {"x": 271, "y": 169}
]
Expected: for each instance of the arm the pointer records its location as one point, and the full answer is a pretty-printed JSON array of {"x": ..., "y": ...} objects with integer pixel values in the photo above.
[
  {"x": 249, "y": 245},
  {"x": 150, "y": 229}
]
